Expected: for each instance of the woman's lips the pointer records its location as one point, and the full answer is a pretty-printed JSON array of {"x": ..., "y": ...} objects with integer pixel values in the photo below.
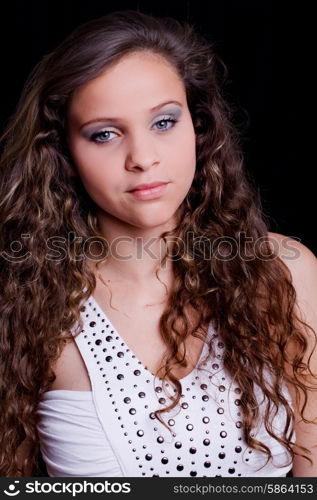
[{"x": 150, "y": 193}]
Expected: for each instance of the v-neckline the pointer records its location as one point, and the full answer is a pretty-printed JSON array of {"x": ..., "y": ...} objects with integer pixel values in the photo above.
[{"x": 104, "y": 315}]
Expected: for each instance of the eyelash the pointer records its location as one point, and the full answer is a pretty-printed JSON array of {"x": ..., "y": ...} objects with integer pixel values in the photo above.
[{"x": 94, "y": 136}]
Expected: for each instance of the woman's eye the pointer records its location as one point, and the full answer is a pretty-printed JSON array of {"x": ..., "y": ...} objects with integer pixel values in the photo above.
[
  {"x": 166, "y": 120},
  {"x": 103, "y": 136}
]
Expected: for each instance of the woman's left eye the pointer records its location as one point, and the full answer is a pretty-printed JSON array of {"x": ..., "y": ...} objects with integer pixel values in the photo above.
[{"x": 167, "y": 120}]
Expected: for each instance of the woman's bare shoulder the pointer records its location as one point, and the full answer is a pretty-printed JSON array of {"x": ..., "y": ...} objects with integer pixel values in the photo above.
[
  {"x": 290, "y": 249},
  {"x": 302, "y": 265}
]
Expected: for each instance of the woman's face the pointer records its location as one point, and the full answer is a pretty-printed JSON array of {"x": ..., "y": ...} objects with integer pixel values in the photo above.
[{"x": 121, "y": 135}]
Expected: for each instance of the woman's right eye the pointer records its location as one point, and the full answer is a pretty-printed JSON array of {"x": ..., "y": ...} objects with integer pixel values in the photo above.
[{"x": 101, "y": 137}]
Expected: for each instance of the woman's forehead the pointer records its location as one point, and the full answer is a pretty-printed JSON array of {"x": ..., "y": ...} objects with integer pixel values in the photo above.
[{"x": 138, "y": 80}]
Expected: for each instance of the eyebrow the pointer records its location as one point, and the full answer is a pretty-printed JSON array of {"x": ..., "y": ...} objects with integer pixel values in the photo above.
[{"x": 103, "y": 119}]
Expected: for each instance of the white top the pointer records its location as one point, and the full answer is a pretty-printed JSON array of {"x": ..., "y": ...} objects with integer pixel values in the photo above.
[{"x": 112, "y": 431}]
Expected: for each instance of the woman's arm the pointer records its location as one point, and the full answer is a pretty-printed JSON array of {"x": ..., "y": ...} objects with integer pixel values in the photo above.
[{"x": 302, "y": 265}]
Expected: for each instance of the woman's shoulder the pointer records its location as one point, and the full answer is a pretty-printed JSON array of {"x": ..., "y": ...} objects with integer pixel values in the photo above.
[
  {"x": 302, "y": 265},
  {"x": 299, "y": 259}
]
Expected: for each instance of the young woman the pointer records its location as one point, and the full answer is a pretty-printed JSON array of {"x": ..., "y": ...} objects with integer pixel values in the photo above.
[{"x": 150, "y": 324}]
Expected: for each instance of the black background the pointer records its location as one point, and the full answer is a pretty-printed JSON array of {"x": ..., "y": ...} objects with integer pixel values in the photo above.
[{"x": 263, "y": 83}]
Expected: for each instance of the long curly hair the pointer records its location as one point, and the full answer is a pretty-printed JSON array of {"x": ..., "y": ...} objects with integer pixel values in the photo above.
[{"x": 251, "y": 301}]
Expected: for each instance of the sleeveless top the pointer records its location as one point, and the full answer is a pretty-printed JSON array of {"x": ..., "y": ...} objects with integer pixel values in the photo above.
[{"x": 112, "y": 431}]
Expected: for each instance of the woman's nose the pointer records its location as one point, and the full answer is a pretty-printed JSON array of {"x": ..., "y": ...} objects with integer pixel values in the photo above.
[{"x": 141, "y": 153}]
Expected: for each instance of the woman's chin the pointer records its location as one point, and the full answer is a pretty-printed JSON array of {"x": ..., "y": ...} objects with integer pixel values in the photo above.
[{"x": 151, "y": 221}]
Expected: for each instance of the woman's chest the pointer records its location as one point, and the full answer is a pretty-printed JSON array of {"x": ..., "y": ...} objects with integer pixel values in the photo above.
[
  {"x": 138, "y": 328},
  {"x": 138, "y": 324}
]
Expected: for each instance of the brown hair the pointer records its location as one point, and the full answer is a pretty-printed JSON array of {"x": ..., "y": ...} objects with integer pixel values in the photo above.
[{"x": 249, "y": 300}]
